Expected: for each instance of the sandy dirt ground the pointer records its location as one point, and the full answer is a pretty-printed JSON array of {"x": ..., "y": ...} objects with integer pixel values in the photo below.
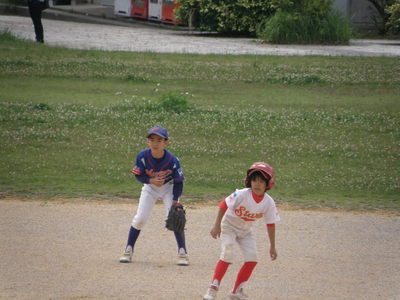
[{"x": 70, "y": 250}]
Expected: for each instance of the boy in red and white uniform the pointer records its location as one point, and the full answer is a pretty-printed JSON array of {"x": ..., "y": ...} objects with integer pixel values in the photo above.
[{"x": 233, "y": 225}]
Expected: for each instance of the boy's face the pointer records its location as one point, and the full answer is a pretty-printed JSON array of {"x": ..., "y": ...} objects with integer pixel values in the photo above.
[
  {"x": 258, "y": 186},
  {"x": 156, "y": 143}
]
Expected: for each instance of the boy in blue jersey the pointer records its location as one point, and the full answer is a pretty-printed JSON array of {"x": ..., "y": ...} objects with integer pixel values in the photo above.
[{"x": 162, "y": 177}]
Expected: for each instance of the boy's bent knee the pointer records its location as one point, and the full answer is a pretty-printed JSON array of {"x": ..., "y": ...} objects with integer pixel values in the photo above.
[
  {"x": 227, "y": 254},
  {"x": 138, "y": 223},
  {"x": 251, "y": 256}
]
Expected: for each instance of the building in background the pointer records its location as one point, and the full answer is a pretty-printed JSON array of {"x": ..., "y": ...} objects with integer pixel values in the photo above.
[{"x": 360, "y": 12}]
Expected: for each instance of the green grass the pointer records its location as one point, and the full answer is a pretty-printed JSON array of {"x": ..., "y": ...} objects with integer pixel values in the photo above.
[{"x": 73, "y": 121}]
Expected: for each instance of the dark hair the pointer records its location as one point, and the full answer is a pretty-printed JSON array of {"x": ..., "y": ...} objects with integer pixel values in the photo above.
[{"x": 258, "y": 174}]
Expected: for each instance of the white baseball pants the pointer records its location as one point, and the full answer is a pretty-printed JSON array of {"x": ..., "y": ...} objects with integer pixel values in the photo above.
[
  {"x": 233, "y": 235},
  {"x": 148, "y": 198}
]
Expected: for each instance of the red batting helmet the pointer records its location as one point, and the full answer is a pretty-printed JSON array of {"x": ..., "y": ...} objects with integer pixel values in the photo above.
[{"x": 265, "y": 170}]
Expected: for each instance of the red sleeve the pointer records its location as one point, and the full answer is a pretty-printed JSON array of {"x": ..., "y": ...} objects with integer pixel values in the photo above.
[
  {"x": 223, "y": 205},
  {"x": 136, "y": 171}
]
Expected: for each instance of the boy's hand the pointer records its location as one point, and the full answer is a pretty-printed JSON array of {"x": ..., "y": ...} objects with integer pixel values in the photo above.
[
  {"x": 273, "y": 254},
  {"x": 216, "y": 232},
  {"x": 157, "y": 181}
]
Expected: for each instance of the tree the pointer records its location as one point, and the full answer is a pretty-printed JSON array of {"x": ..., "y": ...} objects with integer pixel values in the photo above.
[
  {"x": 381, "y": 21},
  {"x": 394, "y": 19}
]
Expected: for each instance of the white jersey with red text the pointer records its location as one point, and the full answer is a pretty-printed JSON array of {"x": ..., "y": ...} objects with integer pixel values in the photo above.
[
  {"x": 237, "y": 222},
  {"x": 244, "y": 210}
]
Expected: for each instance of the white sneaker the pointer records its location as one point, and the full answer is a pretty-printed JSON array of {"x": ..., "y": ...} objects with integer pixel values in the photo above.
[
  {"x": 182, "y": 258},
  {"x": 211, "y": 293},
  {"x": 127, "y": 256},
  {"x": 239, "y": 295}
]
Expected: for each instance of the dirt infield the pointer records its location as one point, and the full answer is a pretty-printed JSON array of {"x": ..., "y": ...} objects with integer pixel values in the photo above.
[{"x": 70, "y": 250}]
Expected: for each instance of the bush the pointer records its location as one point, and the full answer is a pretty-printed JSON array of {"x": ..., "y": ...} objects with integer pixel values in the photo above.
[
  {"x": 15, "y": 2},
  {"x": 317, "y": 20},
  {"x": 292, "y": 27},
  {"x": 7, "y": 36},
  {"x": 174, "y": 102},
  {"x": 314, "y": 8},
  {"x": 382, "y": 18},
  {"x": 242, "y": 16},
  {"x": 394, "y": 19}
]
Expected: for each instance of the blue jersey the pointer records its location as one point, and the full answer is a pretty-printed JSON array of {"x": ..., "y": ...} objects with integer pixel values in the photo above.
[{"x": 168, "y": 166}]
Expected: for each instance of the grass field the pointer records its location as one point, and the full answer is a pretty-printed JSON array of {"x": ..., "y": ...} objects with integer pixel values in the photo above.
[{"x": 73, "y": 121}]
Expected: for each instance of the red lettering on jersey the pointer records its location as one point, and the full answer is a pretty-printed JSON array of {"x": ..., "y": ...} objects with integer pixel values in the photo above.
[
  {"x": 246, "y": 215},
  {"x": 163, "y": 174}
]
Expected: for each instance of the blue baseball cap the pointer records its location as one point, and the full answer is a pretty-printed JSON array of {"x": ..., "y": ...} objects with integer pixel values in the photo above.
[{"x": 158, "y": 130}]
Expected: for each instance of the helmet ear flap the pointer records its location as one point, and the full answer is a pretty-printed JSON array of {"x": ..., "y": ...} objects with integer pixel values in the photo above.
[{"x": 271, "y": 183}]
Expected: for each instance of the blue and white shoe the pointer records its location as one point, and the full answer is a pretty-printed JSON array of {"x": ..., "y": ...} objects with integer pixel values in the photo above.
[
  {"x": 127, "y": 256},
  {"x": 182, "y": 258}
]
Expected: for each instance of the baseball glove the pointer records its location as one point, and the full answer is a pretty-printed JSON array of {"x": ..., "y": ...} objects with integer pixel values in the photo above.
[{"x": 176, "y": 218}]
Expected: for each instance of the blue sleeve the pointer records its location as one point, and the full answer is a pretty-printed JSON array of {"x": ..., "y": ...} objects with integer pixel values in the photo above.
[
  {"x": 177, "y": 171},
  {"x": 177, "y": 190},
  {"x": 143, "y": 178},
  {"x": 139, "y": 167}
]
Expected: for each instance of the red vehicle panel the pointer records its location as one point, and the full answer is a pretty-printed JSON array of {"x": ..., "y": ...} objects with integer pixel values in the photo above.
[
  {"x": 168, "y": 12},
  {"x": 140, "y": 9}
]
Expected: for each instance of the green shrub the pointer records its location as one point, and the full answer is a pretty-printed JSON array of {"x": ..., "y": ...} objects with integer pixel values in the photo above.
[
  {"x": 15, "y": 2},
  {"x": 281, "y": 28},
  {"x": 316, "y": 8},
  {"x": 317, "y": 20},
  {"x": 171, "y": 102},
  {"x": 380, "y": 15},
  {"x": 242, "y": 16},
  {"x": 291, "y": 27},
  {"x": 198, "y": 14},
  {"x": 174, "y": 102},
  {"x": 7, "y": 36},
  {"x": 394, "y": 19},
  {"x": 41, "y": 106}
]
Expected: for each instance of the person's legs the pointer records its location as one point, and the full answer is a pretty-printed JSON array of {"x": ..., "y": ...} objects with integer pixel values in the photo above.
[
  {"x": 219, "y": 273},
  {"x": 249, "y": 249},
  {"x": 35, "y": 12},
  {"x": 132, "y": 237},
  {"x": 180, "y": 240},
  {"x": 179, "y": 236},
  {"x": 228, "y": 241},
  {"x": 146, "y": 204},
  {"x": 244, "y": 275}
]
